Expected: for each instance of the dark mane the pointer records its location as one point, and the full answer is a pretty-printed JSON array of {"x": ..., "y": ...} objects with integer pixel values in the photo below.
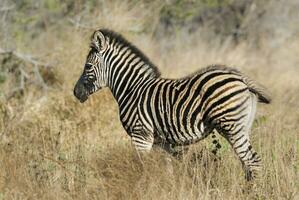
[
  {"x": 120, "y": 39},
  {"x": 213, "y": 68}
]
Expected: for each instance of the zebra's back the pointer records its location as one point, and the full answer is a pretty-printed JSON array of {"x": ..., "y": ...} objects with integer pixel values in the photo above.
[{"x": 186, "y": 110}]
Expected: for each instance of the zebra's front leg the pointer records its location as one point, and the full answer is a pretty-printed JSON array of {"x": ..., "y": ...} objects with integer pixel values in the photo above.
[
  {"x": 142, "y": 141},
  {"x": 167, "y": 160}
]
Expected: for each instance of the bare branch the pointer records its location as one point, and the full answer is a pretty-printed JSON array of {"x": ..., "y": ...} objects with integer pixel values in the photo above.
[
  {"x": 2, "y": 51},
  {"x": 8, "y": 8},
  {"x": 27, "y": 58},
  {"x": 78, "y": 24}
]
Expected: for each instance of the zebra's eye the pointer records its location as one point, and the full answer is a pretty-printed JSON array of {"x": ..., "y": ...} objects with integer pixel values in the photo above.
[
  {"x": 93, "y": 49},
  {"x": 91, "y": 78}
]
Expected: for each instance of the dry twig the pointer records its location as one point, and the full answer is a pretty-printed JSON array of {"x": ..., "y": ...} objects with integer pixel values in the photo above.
[
  {"x": 26, "y": 60},
  {"x": 7, "y": 8},
  {"x": 77, "y": 22}
]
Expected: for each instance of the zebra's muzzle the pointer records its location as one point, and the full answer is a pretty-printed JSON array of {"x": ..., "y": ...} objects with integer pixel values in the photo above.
[{"x": 80, "y": 92}]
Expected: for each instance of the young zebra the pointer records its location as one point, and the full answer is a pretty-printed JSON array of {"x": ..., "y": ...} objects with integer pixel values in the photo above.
[{"x": 165, "y": 112}]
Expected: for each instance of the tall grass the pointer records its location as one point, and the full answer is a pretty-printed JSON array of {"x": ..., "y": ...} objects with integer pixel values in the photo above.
[{"x": 53, "y": 147}]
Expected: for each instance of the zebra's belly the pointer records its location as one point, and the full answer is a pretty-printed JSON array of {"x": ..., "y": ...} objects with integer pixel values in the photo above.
[{"x": 181, "y": 135}]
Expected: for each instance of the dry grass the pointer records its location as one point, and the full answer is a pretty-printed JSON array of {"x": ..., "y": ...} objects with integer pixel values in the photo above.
[{"x": 53, "y": 147}]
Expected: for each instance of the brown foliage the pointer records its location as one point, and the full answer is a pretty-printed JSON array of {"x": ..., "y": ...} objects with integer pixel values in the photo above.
[{"x": 53, "y": 147}]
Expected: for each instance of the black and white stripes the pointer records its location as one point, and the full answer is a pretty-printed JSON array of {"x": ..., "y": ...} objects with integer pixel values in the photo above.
[{"x": 155, "y": 110}]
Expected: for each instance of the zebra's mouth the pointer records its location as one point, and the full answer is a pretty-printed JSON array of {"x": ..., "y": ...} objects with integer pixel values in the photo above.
[
  {"x": 80, "y": 92},
  {"x": 83, "y": 99}
]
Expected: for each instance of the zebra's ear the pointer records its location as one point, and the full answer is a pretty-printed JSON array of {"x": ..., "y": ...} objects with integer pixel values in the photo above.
[{"x": 98, "y": 41}]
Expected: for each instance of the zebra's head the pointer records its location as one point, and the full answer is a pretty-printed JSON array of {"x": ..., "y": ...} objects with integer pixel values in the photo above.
[{"x": 93, "y": 77}]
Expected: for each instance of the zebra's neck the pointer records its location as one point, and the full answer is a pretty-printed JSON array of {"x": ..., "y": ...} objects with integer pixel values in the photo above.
[{"x": 127, "y": 70}]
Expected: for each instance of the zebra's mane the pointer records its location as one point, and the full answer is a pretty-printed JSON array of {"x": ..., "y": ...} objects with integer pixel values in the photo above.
[
  {"x": 213, "y": 68},
  {"x": 120, "y": 39},
  {"x": 219, "y": 67}
]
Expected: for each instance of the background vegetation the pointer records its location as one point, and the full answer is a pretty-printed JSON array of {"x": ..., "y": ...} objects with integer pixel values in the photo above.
[{"x": 53, "y": 147}]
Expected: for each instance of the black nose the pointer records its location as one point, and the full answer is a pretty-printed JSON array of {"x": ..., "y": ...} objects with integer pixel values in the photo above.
[{"x": 80, "y": 92}]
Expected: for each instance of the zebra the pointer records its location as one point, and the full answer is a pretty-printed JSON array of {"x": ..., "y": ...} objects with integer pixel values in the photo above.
[{"x": 164, "y": 112}]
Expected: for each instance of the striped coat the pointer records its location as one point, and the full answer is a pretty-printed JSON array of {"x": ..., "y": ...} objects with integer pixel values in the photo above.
[{"x": 156, "y": 110}]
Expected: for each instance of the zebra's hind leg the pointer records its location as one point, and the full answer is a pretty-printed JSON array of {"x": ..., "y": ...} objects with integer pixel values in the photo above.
[
  {"x": 175, "y": 151},
  {"x": 216, "y": 144},
  {"x": 251, "y": 161},
  {"x": 235, "y": 127}
]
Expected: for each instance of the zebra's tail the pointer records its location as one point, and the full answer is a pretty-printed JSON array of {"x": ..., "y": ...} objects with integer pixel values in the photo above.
[{"x": 259, "y": 90}]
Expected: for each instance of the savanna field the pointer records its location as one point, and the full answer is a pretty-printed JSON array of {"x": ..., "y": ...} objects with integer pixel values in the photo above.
[{"x": 54, "y": 147}]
